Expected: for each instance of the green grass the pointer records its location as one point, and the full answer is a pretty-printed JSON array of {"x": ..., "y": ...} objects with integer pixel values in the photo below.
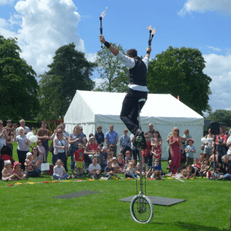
[{"x": 31, "y": 207}]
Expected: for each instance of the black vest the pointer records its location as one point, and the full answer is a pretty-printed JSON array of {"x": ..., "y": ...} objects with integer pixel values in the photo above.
[{"x": 137, "y": 74}]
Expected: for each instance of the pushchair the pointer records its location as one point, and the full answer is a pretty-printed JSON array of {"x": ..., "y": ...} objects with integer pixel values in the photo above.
[{"x": 5, "y": 154}]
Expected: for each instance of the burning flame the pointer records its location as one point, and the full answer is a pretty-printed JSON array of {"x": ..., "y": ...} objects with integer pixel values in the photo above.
[
  {"x": 103, "y": 13},
  {"x": 149, "y": 27}
]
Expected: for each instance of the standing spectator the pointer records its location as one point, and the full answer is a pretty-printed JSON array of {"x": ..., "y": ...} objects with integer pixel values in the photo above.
[
  {"x": 156, "y": 147},
  {"x": 185, "y": 138},
  {"x": 44, "y": 135},
  {"x": 9, "y": 141},
  {"x": 209, "y": 146},
  {"x": 99, "y": 136},
  {"x": 150, "y": 132},
  {"x": 23, "y": 125},
  {"x": 125, "y": 142},
  {"x": 111, "y": 138},
  {"x": 74, "y": 139},
  {"x": 221, "y": 140},
  {"x": 9, "y": 125},
  {"x": 228, "y": 145},
  {"x": 135, "y": 151},
  {"x": 175, "y": 143},
  {"x": 168, "y": 149},
  {"x": 60, "y": 147},
  {"x": 3, "y": 135},
  {"x": 81, "y": 129},
  {"x": 190, "y": 149},
  {"x": 65, "y": 133},
  {"x": 23, "y": 146}
]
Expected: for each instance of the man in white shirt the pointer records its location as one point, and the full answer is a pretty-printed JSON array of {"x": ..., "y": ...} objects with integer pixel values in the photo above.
[{"x": 137, "y": 88}]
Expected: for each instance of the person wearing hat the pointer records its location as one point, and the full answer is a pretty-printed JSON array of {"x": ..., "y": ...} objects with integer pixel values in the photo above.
[
  {"x": 190, "y": 149},
  {"x": 3, "y": 135},
  {"x": 7, "y": 171}
]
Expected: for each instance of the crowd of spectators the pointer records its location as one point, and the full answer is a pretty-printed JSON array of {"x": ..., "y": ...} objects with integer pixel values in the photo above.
[{"x": 97, "y": 154}]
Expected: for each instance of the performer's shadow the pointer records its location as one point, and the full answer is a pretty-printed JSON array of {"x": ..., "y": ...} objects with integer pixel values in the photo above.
[{"x": 189, "y": 226}]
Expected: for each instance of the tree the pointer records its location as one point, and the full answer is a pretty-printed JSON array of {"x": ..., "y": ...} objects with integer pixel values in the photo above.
[
  {"x": 180, "y": 72},
  {"x": 69, "y": 71},
  {"x": 114, "y": 74},
  {"x": 18, "y": 85},
  {"x": 221, "y": 116}
]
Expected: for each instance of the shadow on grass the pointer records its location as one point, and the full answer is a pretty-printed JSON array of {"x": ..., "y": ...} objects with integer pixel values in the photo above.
[{"x": 191, "y": 226}]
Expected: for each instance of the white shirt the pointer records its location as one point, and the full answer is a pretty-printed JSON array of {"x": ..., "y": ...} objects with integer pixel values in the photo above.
[
  {"x": 58, "y": 171},
  {"x": 94, "y": 168},
  {"x": 130, "y": 63},
  {"x": 26, "y": 130},
  {"x": 229, "y": 150}
]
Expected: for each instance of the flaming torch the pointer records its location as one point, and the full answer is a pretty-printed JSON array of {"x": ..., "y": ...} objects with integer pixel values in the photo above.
[
  {"x": 151, "y": 35},
  {"x": 101, "y": 23}
]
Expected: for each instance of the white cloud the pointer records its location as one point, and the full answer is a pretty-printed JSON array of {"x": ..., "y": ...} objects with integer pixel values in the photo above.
[
  {"x": 44, "y": 26},
  {"x": 214, "y": 48},
  {"x": 219, "y": 69},
  {"x": 91, "y": 57},
  {"x": 221, "y": 6},
  {"x": 6, "y": 2}
]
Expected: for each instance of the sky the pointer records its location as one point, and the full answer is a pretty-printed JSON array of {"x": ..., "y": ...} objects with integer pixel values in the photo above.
[{"x": 42, "y": 26}]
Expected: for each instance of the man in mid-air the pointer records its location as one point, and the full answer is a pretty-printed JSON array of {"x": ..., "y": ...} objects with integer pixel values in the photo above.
[{"x": 137, "y": 89}]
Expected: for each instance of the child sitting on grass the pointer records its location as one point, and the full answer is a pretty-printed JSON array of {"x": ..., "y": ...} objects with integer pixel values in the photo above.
[
  {"x": 156, "y": 175},
  {"x": 143, "y": 167},
  {"x": 28, "y": 162},
  {"x": 121, "y": 162},
  {"x": 7, "y": 172},
  {"x": 155, "y": 166},
  {"x": 18, "y": 171},
  {"x": 94, "y": 169},
  {"x": 201, "y": 158},
  {"x": 191, "y": 171},
  {"x": 205, "y": 168},
  {"x": 58, "y": 170},
  {"x": 78, "y": 159},
  {"x": 128, "y": 157},
  {"x": 115, "y": 165},
  {"x": 130, "y": 170},
  {"x": 109, "y": 170}
]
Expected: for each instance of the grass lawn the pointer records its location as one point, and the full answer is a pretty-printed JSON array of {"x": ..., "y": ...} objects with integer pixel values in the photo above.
[{"x": 31, "y": 207}]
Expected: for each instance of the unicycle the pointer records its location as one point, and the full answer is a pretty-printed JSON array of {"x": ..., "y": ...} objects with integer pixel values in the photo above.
[{"x": 141, "y": 207}]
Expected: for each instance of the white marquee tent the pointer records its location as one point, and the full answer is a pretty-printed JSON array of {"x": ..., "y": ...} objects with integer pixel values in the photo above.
[{"x": 91, "y": 108}]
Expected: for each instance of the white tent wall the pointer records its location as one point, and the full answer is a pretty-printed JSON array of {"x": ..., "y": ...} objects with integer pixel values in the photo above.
[{"x": 90, "y": 109}]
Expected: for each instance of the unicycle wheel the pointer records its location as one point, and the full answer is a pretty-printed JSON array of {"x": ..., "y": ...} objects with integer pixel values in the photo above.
[{"x": 141, "y": 209}]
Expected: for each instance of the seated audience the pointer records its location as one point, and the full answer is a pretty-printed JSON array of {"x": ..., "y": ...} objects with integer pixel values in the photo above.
[
  {"x": 7, "y": 172},
  {"x": 28, "y": 163},
  {"x": 115, "y": 165},
  {"x": 109, "y": 170},
  {"x": 128, "y": 157},
  {"x": 103, "y": 157},
  {"x": 141, "y": 169},
  {"x": 94, "y": 169},
  {"x": 155, "y": 166},
  {"x": 17, "y": 171},
  {"x": 205, "y": 168},
  {"x": 36, "y": 163},
  {"x": 59, "y": 170},
  {"x": 121, "y": 162},
  {"x": 130, "y": 170}
]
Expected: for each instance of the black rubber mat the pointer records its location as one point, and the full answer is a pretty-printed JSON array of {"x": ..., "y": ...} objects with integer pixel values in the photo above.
[
  {"x": 75, "y": 194},
  {"x": 157, "y": 200}
]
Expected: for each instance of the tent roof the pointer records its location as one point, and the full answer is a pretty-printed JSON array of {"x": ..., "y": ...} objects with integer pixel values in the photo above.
[{"x": 163, "y": 107}]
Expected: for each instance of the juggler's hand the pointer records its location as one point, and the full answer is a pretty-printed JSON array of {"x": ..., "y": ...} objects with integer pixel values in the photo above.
[{"x": 102, "y": 39}]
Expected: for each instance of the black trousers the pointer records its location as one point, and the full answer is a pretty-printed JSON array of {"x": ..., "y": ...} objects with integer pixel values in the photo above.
[
  {"x": 129, "y": 112},
  {"x": 21, "y": 158}
]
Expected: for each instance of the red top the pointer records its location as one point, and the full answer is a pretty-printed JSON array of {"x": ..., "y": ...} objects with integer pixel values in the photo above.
[
  {"x": 79, "y": 155},
  {"x": 145, "y": 152},
  {"x": 223, "y": 137},
  {"x": 93, "y": 147},
  {"x": 158, "y": 150}
]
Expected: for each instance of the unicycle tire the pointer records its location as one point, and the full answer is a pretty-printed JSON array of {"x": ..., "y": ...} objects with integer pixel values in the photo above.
[{"x": 141, "y": 209}]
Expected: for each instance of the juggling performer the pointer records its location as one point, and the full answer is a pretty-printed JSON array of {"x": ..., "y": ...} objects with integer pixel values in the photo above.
[{"x": 137, "y": 88}]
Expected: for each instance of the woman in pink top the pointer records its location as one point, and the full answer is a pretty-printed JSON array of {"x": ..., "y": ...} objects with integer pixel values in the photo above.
[{"x": 175, "y": 151}]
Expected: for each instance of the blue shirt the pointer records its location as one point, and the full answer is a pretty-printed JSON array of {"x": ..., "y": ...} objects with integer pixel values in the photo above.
[
  {"x": 73, "y": 137},
  {"x": 157, "y": 167},
  {"x": 125, "y": 141},
  {"x": 189, "y": 154},
  {"x": 111, "y": 137}
]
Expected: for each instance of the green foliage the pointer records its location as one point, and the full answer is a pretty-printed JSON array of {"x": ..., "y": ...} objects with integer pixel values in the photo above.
[
  {"x": 222, "y": 116},
  {"x": 114, "y": 74},
  {"x": 70, "y": 71},
  {"x": 18, "y": 86},
  {"x": 180, "y": 72}
]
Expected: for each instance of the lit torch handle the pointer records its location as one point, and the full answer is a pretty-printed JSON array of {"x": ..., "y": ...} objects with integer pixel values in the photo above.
[
  {"x": 150, "y": 39},
  {"x": 101, "y": 28}
]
